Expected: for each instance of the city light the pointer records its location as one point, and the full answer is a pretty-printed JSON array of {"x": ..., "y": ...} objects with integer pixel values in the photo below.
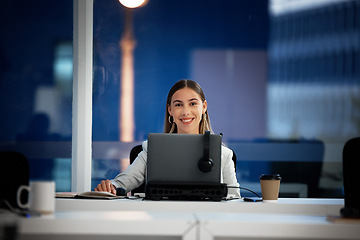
[{"x": 132, "y": 3}]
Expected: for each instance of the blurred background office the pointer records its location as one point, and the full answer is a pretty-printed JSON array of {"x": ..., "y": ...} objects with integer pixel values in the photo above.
[{"x": 282, "y": 79}]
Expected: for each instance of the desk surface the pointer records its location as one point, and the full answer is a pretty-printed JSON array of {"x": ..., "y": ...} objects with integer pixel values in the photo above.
[
  {"x": 109, "y": 225},
  {"x": 132, "y": 225},
  {"x": 104, "y": 225},
  {"x": 136, "y": 219},
  {"x": 283, "y": 206},
  {"x": 273, "y": 226}
]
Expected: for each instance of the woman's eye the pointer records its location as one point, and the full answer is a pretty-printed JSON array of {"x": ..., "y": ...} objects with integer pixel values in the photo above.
[
  {"x": 177, "y": 105},
  {"x": 193, "y": 103}
]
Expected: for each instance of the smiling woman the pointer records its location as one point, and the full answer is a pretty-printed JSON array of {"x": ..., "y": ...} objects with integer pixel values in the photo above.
[{"x": 186, "y": 113}]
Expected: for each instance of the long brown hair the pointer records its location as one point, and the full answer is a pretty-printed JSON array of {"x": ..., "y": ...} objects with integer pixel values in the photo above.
[{"x": 205, "y": 121}]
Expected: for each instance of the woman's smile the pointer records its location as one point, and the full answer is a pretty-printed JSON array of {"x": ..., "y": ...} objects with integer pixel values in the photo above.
[{"x": 187, "y": 120}]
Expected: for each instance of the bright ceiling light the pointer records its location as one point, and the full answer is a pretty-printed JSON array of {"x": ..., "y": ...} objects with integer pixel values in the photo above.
[{"x": 132, "y": 3}]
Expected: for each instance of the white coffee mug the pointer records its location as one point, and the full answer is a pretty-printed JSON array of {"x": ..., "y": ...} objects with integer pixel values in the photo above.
[{"x": 41, "y": 197}]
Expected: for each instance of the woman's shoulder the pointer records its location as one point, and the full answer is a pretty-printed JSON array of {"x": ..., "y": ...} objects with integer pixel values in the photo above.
[
  {"x": 145, "y": 145},
  {"x": 225, "y": 150}
]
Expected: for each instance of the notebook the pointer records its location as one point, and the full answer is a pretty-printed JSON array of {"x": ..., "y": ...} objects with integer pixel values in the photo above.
[{"x": 172, "y": 166}]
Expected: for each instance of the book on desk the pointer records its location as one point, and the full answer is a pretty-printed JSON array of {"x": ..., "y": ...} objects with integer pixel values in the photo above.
[{"x": 88, "y": 195}]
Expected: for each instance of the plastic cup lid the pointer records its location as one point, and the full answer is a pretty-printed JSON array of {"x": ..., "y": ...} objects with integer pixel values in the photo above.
[{"x": 270, "y": 177}]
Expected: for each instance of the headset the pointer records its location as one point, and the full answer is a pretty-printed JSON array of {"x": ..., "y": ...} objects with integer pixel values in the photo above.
[{"x": 205, "y": 163}]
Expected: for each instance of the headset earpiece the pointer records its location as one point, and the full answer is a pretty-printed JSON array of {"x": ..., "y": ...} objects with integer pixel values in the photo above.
[{"x": 205, "y": 164}]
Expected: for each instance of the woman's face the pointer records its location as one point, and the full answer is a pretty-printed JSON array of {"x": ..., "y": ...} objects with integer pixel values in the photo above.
[{"x": 187, "y": 108}]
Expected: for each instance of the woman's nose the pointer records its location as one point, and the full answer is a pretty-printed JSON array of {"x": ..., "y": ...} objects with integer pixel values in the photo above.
[{"x": 185, "y": 110}]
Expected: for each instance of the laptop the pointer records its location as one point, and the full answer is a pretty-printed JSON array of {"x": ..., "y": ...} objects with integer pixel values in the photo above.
[{"x": 173, "y": 171}]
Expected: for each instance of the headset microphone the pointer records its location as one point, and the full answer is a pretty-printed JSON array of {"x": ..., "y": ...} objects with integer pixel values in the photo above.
[{"x": 205, "y": 164}]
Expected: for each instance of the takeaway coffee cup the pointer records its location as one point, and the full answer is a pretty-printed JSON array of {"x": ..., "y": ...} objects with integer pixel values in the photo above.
[
  {"x": 270, "y": 185},
  {"x": 41, "y": 197}
]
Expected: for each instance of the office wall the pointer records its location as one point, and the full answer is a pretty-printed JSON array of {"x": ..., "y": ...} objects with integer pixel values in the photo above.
[{"x": 235, "y": 83}]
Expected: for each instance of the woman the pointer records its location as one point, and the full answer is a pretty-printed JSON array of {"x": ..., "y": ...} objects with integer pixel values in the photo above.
[{"x": 186, "y": 113}]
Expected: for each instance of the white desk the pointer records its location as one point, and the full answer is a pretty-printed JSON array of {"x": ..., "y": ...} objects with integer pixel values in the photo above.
[
  {"x": 109, "y": 225},
  {"x": 283, "y": 206},
  {"x": 273, "y": 226},
  {"x": 136, "y": 219}
]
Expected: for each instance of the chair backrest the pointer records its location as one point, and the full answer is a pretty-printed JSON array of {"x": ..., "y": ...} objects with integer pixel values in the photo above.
[
  {"x": 133, "y": 154},
  {"x": 351, "y": 168},
  {"x": 14, "y": 172},
  {"x": 234, "y": 159}
]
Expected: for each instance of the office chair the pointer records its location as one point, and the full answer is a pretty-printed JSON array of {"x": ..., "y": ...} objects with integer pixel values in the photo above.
[
  {"x": 234, "y": 159},
  {"x": 135, "y": 152},
  {"x": 14, "y": 172},
  {"x": 351, "y": 166}
]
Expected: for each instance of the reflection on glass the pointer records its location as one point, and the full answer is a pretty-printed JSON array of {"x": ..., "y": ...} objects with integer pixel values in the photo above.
[
  {"x": 283, "y": 75},
  {"x": 36, "y": 86}
]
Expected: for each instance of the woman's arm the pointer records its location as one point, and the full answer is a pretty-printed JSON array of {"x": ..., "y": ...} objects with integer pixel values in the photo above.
[
  {"x": 135, "y": 173},
  {"x": 129, "y": 179},
  {"x": 228, "y": 173}
]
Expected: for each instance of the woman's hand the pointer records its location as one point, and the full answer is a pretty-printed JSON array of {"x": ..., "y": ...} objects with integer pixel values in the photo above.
[{"x": 106, "y": 186}]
